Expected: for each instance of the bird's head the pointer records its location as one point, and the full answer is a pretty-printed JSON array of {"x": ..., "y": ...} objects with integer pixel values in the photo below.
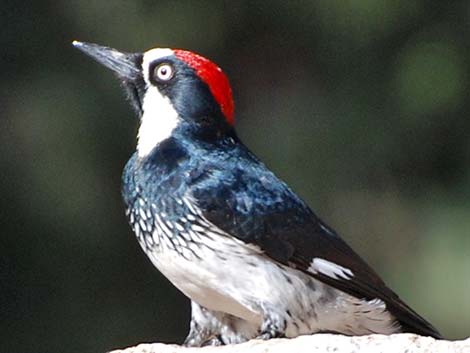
[{"x": 173, "y": 91}]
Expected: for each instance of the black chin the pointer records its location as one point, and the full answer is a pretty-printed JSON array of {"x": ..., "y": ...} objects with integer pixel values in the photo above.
[{"x": 135, "y": 94}]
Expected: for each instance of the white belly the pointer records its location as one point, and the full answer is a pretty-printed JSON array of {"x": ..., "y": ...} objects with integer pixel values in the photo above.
[
  {"x": 222, "y": 273},
  {"x": 217, "y": 280}
]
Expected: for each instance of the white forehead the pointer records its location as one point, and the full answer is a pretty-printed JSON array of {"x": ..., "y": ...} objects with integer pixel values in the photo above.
[{"x": 152, "y": 55}]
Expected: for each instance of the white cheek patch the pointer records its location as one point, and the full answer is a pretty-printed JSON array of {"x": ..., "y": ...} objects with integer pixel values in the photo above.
[
  {"x": 159, "y": 117},
  {"x": 330, "y": 269},
  {"x": 158, "y": 121}
]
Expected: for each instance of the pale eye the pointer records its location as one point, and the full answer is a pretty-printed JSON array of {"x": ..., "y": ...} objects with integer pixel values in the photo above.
[{"x": 164, "y": 72}]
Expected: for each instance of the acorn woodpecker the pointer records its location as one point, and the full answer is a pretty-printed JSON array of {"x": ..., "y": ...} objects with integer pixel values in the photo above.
[{"x": 252, "y": 257}]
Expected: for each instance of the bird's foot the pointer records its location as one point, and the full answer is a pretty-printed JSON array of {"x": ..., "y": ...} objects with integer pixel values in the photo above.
[
  {"x": 272, "y": 328},
  {"x": 202, "y": 340},
  {"x": 214, "y": 341}
]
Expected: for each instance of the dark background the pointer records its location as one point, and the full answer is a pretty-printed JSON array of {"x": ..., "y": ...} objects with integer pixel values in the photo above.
[{"x": 361, "y": 106}]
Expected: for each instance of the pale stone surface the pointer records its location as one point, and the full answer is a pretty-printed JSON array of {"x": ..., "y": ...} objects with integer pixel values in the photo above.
[{"x": 325, "y": 343}]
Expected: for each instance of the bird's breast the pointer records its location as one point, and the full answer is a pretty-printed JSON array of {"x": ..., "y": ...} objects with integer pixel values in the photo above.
[{"x": 199, "y": 259}]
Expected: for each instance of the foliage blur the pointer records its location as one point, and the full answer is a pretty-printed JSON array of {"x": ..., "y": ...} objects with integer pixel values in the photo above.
[{"x": 361, "y": 106}]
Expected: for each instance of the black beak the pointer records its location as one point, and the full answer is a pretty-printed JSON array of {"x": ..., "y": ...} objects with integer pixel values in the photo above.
[{"x": 123, "y": 64}]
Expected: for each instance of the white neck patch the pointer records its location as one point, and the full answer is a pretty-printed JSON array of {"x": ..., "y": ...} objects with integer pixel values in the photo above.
[
  {"x": 159, "y": 117},
  {"x": 157, "y": 122}
]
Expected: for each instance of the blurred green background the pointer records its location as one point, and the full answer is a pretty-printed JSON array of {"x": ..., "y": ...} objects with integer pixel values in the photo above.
[{"x": 361, "y": 106}]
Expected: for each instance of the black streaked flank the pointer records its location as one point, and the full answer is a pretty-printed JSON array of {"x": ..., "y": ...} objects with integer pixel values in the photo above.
[{"x": 249, "y": 253}]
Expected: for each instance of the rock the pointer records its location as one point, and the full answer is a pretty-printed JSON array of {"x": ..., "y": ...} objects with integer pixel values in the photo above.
[{"x": 405, "y": 343}]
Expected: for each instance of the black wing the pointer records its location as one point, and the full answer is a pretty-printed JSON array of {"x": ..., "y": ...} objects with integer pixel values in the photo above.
[{"x": 249, "y": 202}]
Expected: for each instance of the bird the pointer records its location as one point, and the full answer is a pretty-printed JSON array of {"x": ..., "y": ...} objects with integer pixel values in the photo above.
[{"x": 250, "y": 254}]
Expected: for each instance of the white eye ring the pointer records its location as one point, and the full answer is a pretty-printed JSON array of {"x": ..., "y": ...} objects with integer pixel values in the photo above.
[{"x": 164, "y": 72}]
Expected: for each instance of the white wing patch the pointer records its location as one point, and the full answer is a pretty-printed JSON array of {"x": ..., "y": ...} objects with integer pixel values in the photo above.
[
  {"x": 226, "y": 275},
  {"x": 330, "y": 269}
]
